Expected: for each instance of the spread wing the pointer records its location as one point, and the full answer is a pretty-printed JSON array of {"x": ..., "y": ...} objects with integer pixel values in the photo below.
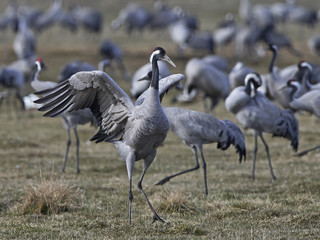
[
  {"x": 95, "y": 90},
  {"x": 165, "y": 84}
]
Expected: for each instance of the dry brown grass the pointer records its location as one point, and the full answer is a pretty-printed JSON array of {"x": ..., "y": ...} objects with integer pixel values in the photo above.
[
  {"x": 171, "y": 202},
  {"x": 50, "y": 196}
]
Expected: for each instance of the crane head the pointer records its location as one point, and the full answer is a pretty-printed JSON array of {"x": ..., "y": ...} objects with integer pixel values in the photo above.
[
  {"x": 39, "y": 62},
  {"x": 160, "y": 54},
  {"x": 292, "y": 82},
  {"x": 304, "y": 64}
]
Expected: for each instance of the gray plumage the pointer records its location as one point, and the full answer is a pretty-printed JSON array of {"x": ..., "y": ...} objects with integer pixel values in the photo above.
[
  {"x": 254, "y": 111},
  {"x": 225, "y": 31},
  {"x": 12, "y": 80},
  {"x": 38, "y": 85},
  {"x": 24, "y": 44},
  {"x": 90, "y": 19},
  {"x": 135, "y": 130},
  {"x": 163, "y": 16},
  {"x": 197, "y": 128},
  {"x": 309, "y": 101},
  {"x": 73, "y": 67},
  {"x": 302, "y": 15},
  {"x": 272, "y": 36},
  {"x": 112, "y": 51},
  {"x": 238, "y": 74},
  {"x": 25, "y": 66},
  {"x": 137, "y": 86},
  {"x": 308, "y": 75},
  {"x": 314, "y": 45},
  {"x": 201, "y": 41},
  {"x": 9, "y": 17},
  {"x": 132, "y": 17},
  {"x": 50, "y": 16},
  {"x": 212, "y": 82},
  {"x": 275, "y": 82},
  {"x": 217, "y": 61}
]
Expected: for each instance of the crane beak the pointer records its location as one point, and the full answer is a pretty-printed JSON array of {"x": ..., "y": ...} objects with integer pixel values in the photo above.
[{"x": 167, "y": 59}]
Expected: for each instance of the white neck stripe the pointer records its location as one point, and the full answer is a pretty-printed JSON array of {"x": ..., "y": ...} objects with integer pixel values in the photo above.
[{"x": 154, "y": 53}]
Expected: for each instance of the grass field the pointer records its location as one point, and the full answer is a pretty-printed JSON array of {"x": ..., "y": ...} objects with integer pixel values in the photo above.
[{"x": 32, "y": 149}]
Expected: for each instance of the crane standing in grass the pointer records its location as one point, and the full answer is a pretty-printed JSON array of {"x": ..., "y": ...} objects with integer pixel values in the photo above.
[
  {"x": 69, "y": 120},
  {"x": 196, "y": 129},
  {"x": 253, "y": 110},
  {"x": 135, "y": 129},
  {"x": 309, "y": 102}
]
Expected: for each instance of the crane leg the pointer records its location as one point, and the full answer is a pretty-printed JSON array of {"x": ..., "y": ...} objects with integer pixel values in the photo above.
[
  {"x": 300, "y": 154},
  {"x": 9, "y": 109},
  {"x": 204, "y": 166},
  {"x": 268, "y": 155},
  {"x": 254, "y": 156},
  {"x": 130, "y": 165},
  {"x": 77, "y": 150},
  {"x": 67, "y": 150},
  {"x": 148, "y": 160},
  {"x": 20, "y": 98},
  {"x": 167, "y": 179}
]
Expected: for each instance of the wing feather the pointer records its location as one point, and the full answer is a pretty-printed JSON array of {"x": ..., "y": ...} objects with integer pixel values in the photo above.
[{"x": 95, "y": 90}]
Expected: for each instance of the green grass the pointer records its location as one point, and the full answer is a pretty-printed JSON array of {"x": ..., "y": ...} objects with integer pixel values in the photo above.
[{"x": 32, "y": 149}]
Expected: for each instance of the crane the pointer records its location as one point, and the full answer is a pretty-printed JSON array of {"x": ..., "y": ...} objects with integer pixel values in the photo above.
[
  {"x": 253, "y": 110},
  {"x": 112, "y": 51},
  {"x": 212, "y": 82},
  {"x": 197, "y": 128},
  {"x": 12, "y": 80},
  {"x": 309, "y": 102},
  {"x": 24, "y": 44},
  {"x": 136, "y": 129},
  {"x": 69, "y": 120}
]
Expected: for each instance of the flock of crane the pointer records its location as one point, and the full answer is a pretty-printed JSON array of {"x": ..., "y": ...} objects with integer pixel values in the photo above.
[{"x": 265, "y": 103}]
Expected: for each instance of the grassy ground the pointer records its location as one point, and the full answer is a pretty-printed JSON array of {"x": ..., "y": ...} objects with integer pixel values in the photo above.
[{"x": 32, "y": 148}]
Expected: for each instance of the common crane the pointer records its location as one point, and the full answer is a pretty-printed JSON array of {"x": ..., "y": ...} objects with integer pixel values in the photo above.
[
  {"x": 309, "y": 102},
  {"x": 70, "y": 120},
  {"x": 197, "y": 128},
  {"x": 132, "y": 17},
  {"x": 253, "y": 110},
  {"x": 109, "y": 49},
  {"x": 136, "y": 130},
  {"x": 38, "y": 85},
  {"x": 212, "y": 82},
  {"x": 12, "y": 80},
  {"x": 24, "y": 44}
]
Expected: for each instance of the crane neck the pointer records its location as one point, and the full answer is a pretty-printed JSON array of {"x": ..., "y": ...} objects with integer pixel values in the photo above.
[
  {"x": 249, "y": 87},
  {"x": 273, "y": 59},
  {"x": 294, "y": 93},
  {"x": 36, "y": 74},
  {"x": 155, "y": 74},
  {"x": 306, "y": 79}
]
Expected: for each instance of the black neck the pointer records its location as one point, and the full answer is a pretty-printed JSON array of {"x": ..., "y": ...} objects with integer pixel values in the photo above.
[
  {"x": 293, "y": 92},
  {"x": 155, "y": 74},
  {"x": 248, "y": 87},
  {"x": 273, "y": 59}
]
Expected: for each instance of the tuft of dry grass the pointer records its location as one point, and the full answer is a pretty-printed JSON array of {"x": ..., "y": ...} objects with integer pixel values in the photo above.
[
  {"x": 51, "y": 196},
  {"x": 173, "y": 202}
]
